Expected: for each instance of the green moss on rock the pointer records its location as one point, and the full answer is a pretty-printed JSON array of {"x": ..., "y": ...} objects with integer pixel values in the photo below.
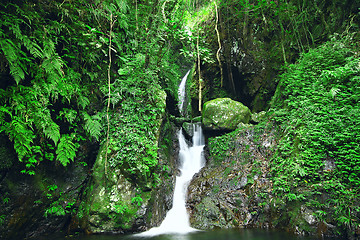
[{"x": 224, "y": 114}]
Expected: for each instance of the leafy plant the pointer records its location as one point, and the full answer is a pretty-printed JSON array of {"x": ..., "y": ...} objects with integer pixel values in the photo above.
[
  {"x": 316, "y": 108},
  {"x": 66, "y": 149},
  {"x": 2, "y": 219}
]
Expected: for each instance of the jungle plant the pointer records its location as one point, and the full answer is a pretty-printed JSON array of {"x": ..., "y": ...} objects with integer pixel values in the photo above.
[{"x": 317, "y": 105}]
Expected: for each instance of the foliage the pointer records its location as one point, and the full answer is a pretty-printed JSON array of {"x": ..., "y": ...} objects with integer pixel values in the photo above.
[
  {"x": 259, "y": 37},
  {"x": 60, "y": 203},
  {"x": 317, "y": 105},
  {"x": 53, "y": 58},
  {"x": 221, "y": 147},
  {"x": 43, "y": 89}
]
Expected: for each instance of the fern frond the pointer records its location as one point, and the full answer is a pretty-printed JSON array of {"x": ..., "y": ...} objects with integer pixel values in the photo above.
[
  {"x": 334, "y": 91},
  {"x": 93, "y": 125},
  {"x": 52, "y": 66},
  {"x": 66, "y": 150},
  {"x": 83, "y": 101},
  {"x": 22, "y": 137},
  {"x": 52, "y": 131},
  {"x": 31, "y": 46},
  {"x": 69, "y": 114},
  {"x": 3, "y": 109},
  {"x": 12, "y": 54},
  {"x": 122, "y": 5}
]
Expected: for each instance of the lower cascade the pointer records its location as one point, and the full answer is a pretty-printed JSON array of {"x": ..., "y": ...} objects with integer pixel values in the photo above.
[{"x": 191, "y": 161}]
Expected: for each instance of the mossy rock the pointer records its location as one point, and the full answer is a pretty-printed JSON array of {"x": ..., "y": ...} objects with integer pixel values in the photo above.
[
  {"x": 258, "y": 117},
  {"x": 196, "y": 119},
  {"x": 224, "y": 114}
]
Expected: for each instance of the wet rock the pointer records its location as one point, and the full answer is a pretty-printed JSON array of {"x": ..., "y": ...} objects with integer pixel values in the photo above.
[
  {"x": 209, "y": 215},
  {"x": 29, "y": 205},
  {"x": 196, "y": 119},
  {"x": 230, "y": 190},
  {"x": 188, "y": 128},
  {"x": 224, "y": 114},
  {"x": 329, "y": 165},
  {"x": 114, "y": 203},
  {"x": 180, "y": 120}
]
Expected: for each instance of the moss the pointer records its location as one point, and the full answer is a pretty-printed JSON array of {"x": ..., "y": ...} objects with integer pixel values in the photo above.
[{"x": 224, "y": 114}]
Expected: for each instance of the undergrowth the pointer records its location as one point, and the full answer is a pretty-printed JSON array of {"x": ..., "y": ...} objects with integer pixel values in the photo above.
[{"x": 317, "y": 162}]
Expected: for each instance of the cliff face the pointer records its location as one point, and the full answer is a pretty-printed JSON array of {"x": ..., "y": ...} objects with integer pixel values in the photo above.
[{"x": 235, "y": 189}]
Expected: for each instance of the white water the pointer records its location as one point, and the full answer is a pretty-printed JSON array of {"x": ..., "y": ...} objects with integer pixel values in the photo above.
[
  {"x": 181, "y": 92},
  {"x": 191, "y": 161}
]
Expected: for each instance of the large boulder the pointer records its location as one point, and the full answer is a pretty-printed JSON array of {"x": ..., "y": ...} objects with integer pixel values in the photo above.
[{"x": 224, "y": 114}]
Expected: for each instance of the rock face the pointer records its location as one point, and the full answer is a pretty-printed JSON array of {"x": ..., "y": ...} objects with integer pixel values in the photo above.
[
  {"x": 114, "y": 204},
  {"x": 224, "y": 114},
  {"x": 110, "y": 204},
  {"x": 40, "y": 204},
  {"x": 233, "y": 189}
]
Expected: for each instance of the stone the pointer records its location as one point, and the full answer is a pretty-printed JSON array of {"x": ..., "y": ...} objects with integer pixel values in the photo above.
[
  {"x": 224, "y": 114},
  {"x": 188, "y": 128},
  {"x": 257, "y": 117},
  {"x": 196, "y": 119}
]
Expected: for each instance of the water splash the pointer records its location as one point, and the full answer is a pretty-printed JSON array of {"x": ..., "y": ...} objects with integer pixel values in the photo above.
[{"x": 191, "y": 161}]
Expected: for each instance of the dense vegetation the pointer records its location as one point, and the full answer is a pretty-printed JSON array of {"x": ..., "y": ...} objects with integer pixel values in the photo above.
[
  {"x": 315, "y": 114},
  {"x": 314, "y": 109},
  {"x": 317, "y": 106},
  {"x": 79, "y": 74},
  {"x": 66, "y": 64}
]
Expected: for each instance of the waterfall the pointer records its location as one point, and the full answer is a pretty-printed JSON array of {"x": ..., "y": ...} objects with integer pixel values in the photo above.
[
  {"x": 191, "y": 160},
  {"x": 181, "y": 92}
]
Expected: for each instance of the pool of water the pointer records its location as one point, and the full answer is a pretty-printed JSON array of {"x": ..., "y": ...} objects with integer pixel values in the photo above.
[{"x": 242, "y": 234}]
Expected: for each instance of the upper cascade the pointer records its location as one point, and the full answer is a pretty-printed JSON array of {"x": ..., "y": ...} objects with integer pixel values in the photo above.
[{"x": 182, "y": 92}]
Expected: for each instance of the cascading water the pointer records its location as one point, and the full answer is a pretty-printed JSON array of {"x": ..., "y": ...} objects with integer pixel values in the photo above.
[
  {"x": 181, "y": 92},
  {"x": 191, "y": 161}
]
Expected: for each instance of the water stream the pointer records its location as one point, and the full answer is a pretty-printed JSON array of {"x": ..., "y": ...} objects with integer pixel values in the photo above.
[
  {"x": 191, "y": 160},
  {"x": 182, "y": 92}
]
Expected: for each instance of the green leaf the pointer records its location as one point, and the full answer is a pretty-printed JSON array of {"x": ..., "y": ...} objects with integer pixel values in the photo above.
[
  {"x": 93, "y": 125},
  {"x": 66, "y": 150},
  {"x": 52, "y": 131},
  {"x": 12, "y": 54}
]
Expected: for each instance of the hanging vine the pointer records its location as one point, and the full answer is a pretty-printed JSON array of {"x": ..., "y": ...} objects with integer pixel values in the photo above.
[
  {"x": 219, "y": 42},
  {"x": 112, "y": 22},
  {"x": 198, "y": 63}
]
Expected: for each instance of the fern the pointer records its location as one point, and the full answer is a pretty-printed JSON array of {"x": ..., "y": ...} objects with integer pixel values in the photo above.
[
  {"x": 31, "y": 46},
  {"x": 52, "y": 131},
  {"x": 12, "y": 53},
  {"x": 69, "y": 114},
  {"x": 93, "y": 125},
  {"x": 52, "y": 66},
  {"x": 3, "y": 111},
  {"x": 83, "y": 101},
  {"x": 66, "y": 150},
  {"x": 21, "y": 136}
]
